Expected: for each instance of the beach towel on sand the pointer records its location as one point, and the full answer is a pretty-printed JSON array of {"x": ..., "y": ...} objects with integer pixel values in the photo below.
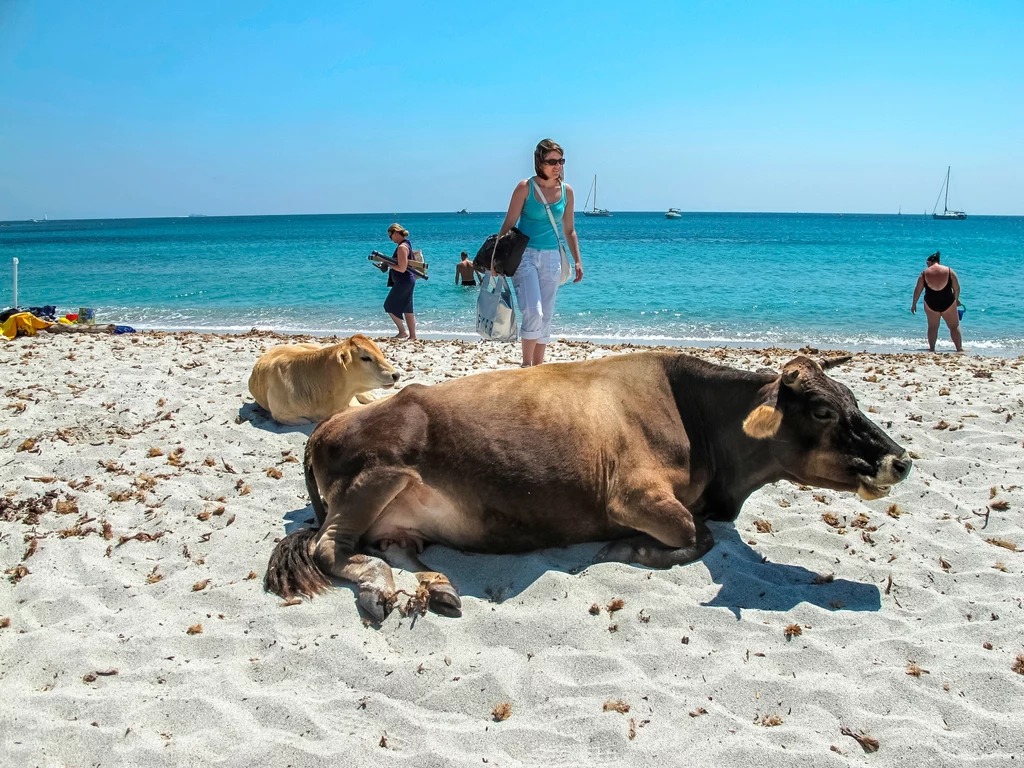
[{"x": 24, "y": 323}]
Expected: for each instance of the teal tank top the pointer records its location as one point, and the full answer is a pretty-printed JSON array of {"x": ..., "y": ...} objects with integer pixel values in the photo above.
[{"x": 534, "y": 223}]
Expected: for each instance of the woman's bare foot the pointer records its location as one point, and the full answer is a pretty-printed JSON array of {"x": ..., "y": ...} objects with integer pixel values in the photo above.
[
  {"x": 412, "y": 337},
  {"x": 401, "y": 336}
]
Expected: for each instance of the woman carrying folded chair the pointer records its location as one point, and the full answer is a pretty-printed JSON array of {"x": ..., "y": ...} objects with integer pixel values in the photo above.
[
  {"x": 537, "y": 203},
  {"x": 398, "y": 304}
]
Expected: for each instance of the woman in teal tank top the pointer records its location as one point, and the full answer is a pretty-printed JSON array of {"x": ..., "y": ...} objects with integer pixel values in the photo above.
[{"x": 537, "y": 279}]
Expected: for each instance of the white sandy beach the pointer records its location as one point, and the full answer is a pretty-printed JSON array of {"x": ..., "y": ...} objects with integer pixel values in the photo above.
[{"x": 143, "y": 493}]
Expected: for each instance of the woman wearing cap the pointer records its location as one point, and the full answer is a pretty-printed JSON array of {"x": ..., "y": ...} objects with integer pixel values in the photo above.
[
  {"x": 398, "y": 304},
  {"x": 537, "y": 278}
]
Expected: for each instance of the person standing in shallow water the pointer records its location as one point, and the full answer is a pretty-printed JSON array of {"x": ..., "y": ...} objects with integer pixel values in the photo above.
[
  {"x": 464, "y": 272},
  {"x": 398, "y": 304},
  {"x": 941, "y": 297},
  {"x": 537, "y": 278}
]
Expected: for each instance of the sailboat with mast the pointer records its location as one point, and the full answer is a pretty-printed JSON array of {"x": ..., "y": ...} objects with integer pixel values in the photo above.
[
  {"x": 595, "y": 211},
  {"x": 946, "y": 213}
]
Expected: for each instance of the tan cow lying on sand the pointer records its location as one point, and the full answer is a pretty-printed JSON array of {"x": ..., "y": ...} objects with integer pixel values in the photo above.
[
  {"x": 641, "y": 449},
  {"x": 299, "y": 383}
]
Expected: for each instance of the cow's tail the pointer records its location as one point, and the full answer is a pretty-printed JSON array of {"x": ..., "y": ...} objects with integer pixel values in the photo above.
[{"x": 292, "y": 571}]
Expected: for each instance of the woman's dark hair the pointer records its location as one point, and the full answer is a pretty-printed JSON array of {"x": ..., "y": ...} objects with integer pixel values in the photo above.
[
  {"x": 934, "y": 258},
  {"x": 547, "y": 145}
]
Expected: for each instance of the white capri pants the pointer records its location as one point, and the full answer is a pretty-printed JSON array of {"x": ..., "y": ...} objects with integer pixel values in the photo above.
[{"x": 536, "y": 283}]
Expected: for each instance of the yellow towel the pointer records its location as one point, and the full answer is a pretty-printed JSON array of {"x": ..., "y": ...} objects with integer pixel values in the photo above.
[{"x": 23, "y": 322}]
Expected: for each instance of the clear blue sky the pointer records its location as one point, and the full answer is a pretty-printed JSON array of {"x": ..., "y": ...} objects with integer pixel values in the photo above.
[{"x": 112, "y": 108}]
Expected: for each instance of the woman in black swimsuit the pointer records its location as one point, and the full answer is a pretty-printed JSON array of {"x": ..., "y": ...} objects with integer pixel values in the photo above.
[{"x": 939, "y": 302}]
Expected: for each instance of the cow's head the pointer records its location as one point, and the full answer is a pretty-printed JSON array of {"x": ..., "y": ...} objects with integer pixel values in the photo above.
[
  {"x": 364, "y": 364},
  {"x": 820, "y": 436}
]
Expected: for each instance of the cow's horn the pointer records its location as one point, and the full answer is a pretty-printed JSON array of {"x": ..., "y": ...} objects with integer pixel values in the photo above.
[
  {"x": 762, "y": 422},
  {"x": 832, "y": 362}
]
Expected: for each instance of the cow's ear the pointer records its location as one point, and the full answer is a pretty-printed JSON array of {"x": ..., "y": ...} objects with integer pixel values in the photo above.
[
  {"x": 764, "y": 421},
  {"x": 832, "y": 362},
  {"x": 345, "y": 355}
]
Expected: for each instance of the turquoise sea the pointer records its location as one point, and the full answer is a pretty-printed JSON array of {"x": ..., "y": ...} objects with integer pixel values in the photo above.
[{"x": 827, "y": 280}]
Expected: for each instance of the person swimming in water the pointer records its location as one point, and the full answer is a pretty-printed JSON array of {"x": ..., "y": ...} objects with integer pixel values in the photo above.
[{"x": 939, "y": 303}]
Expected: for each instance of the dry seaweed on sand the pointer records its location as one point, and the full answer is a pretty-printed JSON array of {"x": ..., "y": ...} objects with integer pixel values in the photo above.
[
  {"x": 615, "y": 705},
  {"x": 141, "y": 536},
  {"x": 793, "y": 630},
  {"x": 915, "y": 671},
  {"x": 502, "y": 711},
  {"x": 832, "y": 519},
  {"x": 868, "y": 743},
  {"x": 1003, "y": 543},
  {"x": 615, "y": 605}
]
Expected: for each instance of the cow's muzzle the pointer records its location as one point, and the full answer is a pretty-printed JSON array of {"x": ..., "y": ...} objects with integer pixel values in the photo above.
[{"x": 893, "y": 470}]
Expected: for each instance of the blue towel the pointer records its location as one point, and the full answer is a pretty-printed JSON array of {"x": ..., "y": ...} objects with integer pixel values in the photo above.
[{"x": 123, "y": 329}]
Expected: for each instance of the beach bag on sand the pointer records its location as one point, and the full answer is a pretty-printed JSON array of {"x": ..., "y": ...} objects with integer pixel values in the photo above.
[
  {"x": 506, "y": 253},
  {"x": 495, "y": 315},
  {"x": 567, "y": 271}
]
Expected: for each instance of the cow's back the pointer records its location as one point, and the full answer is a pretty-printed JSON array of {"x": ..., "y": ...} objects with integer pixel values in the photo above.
[
  {"x": 296, "y": 372},
  {"x": 529, "y": 441}
]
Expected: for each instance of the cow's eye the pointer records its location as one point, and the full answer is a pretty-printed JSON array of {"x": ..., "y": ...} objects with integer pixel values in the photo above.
[
  {"x": 821, "y": 413},
  {"x": 366, "y": 359}
]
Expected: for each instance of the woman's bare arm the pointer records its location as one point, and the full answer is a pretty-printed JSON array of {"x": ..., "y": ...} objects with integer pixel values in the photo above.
[
  {"x": 569, "y": 228},
  {"x": 515, "y": 210},
  {"x": 515, "y": 207},
  {"x": 956, "y": 286},
  {"x": 917, "y": 293},
  {"x": 403, "y": 258}
]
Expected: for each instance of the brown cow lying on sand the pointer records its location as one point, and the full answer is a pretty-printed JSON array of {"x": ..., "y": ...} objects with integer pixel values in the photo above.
[
  {"x": 641, "y": 449},
  {"x": 299, "y": 383}
]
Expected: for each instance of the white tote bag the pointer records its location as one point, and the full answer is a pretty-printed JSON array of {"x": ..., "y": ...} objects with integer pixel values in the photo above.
[
  {"x": 567, "y": 271},
  {"x": 495, "y": 315}
]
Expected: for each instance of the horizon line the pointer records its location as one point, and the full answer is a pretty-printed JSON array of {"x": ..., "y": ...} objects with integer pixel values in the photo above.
[{"x": 484, "y": 213}]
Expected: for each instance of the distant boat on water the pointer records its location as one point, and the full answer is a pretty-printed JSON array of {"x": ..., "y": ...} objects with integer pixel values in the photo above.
[
  {"x": 463, "y": 212},
  {"x": 946, "y": 213},
  {"x": 197, "y": 215},
  {"x": 39, "y": 221},
  {"x": 673, "y": 213},
  {"x": 595, "y": 211}
]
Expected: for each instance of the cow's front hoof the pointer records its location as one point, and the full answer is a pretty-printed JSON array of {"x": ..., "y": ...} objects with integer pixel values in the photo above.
[
  {"x": 445, "y": 600},
  {"x": 376, "y": 603}
]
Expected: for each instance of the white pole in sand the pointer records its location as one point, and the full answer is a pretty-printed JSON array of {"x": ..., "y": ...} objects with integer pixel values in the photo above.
[{"x": 15, "y": 304}]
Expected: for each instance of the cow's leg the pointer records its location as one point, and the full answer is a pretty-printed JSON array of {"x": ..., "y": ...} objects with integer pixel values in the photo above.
[
  {"x": 349, "y": 514},
  {"x": 444, "y": 598},
  {"x": 673, "y": 536},
  {"x": 279, "y": 410}
]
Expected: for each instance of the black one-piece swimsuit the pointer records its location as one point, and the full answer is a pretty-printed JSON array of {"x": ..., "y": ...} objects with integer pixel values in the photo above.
[{"x": 942, "y": 299}]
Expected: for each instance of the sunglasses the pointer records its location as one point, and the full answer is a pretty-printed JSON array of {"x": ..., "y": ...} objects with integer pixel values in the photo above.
[{"x": 555, "y": 161}]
